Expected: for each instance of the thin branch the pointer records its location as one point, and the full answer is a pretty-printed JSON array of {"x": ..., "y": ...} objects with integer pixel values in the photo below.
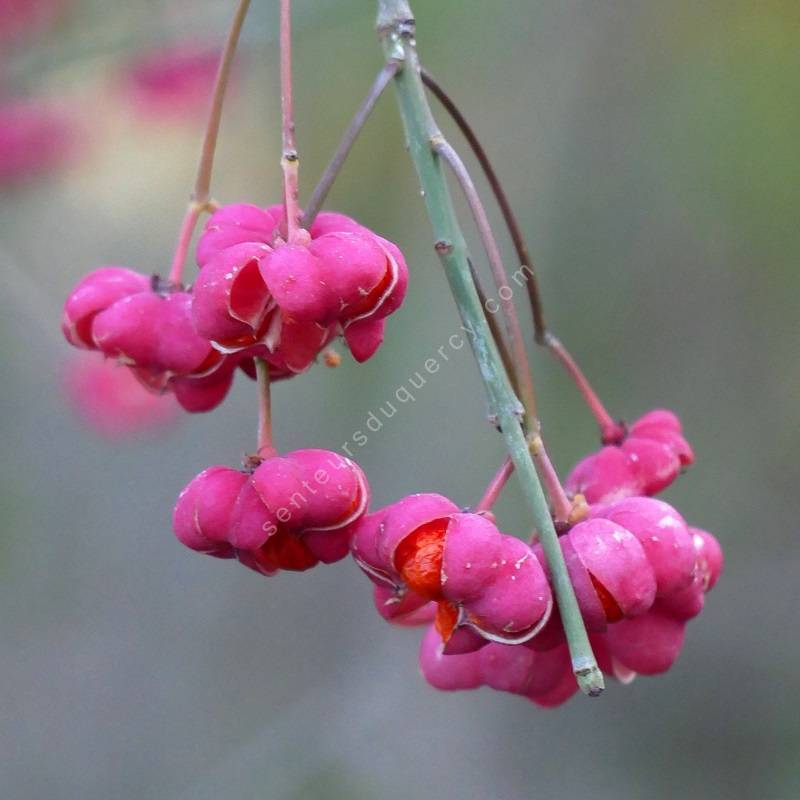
[
  {"x": 184, "y": 240},
  {"x": 264, "y": 407},
  {"x": 522, "y": 366},
  {"x": 290, "y": 163},
  {"x": 521, "y": 248},
  {"x": 495, "y": 487},
  {"x": 200, "y": 197},
  {"x": 202, "y": 184},
  {"x": 497, "y": 334},
  {"x": 383, "y": 79},
  {"x": 562, "y": 507},
  {"x": 610, "y": 430},
  {"x": 396, "y": 28}
]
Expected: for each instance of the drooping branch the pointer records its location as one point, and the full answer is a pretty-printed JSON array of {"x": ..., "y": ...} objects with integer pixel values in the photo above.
[
  {"x": 510, "y": 219},
  {"x": 396, "y": 28},
  {"x": 322, "y": 188},
  {"x": 494, "y": 329},
  {"x": 610, "y": 430},
  {"x": 522, "y": 366}
]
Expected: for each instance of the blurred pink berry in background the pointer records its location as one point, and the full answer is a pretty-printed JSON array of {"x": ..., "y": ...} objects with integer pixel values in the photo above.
[
  {"x": 173, "y": 84},
  {"x": 36, "y": 137},
  {"x": 22, "y": 18},
  {"x": 110, "y": 400}
]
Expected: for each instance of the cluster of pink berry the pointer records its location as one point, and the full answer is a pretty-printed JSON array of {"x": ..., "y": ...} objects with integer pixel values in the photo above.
[
  {"x": 256, "y": 296},
  {"x": 294, "y": 297},
  {"x": 638, "y": 571},
  {"x": 269, "y": 298},
  {"x": 282, "y": 513}
]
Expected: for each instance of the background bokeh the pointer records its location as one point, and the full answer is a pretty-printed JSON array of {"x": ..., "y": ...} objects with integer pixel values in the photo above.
[{"x": 651, "y": 151}]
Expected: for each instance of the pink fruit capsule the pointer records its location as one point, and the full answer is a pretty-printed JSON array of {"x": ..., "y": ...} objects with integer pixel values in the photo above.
[
  {"x": 447, "y": 673},
  {"x": 154, "y": 333},
  {"x": 481, "y": 579},
  {"x": 517, "y": 599},
  {"x": 645, "y": 462},
  {"x": 404, "y": 608},
  {"x": 199, "y": 394},
  {"x": 648, "y": 644},
  {"x": 251, "y": 523},
  {"x": 328, "y": 546},
  {"x": 201, "y": 518},
  {"x": 593, "y": 611},
  {"x": 617, "y": 566},
  {"x": 664, "y": 426},
  {"x": 686, "y": 603},
  {"x": 235, "y": 224},
  {"x": 709, "y": 557},
  {"x": 312, "y": 490},
  {"x": 663, "y": 534},
  {"x": 653, "y": 464},
  {"x": 339, "y": 277},
  {"x": 94, "y": 293},
  {"x": 333, "y": 222},
  {"x": 603, "y": 476},
  {"x": 181, "y": 350},
  {"x": 506, "y": 668},
  {"x": 550, "y": 676},
  {"x": 230, "y": 302},
  {"x": 471, "y": 558},
  {"x": 300, "y": 283},
  {"x": 378, "y": 535},
  {"x": 361, "y": 272},
  {"x": 460, "y": 639},
  {"x": 127, "y": 330},
  {"x": 564, "y": 688},
  {"x": 364, "y": 337}
]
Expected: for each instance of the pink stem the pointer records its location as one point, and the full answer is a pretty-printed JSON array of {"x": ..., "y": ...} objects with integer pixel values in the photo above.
[
  {"x": 184, "y": 239},
  {"x": 202, "y": 183},
  {"x": 264, "y": 408},
  {"x": 516, "y": 340},
  {"x": 495, "y": 487},
  {"x": 610, "y": 431},
  {"x": 289, "y": 161},
  {"x": 562, "y": 506}
]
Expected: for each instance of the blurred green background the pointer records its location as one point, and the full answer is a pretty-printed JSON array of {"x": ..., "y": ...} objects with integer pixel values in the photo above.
[{"x": 651, "y": 150}]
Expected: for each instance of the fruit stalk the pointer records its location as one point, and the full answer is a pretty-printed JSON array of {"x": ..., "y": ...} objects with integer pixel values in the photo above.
[
  {"x": 200, "y": 198},
  {"x": 264, "y": 408},
  {"x": 290, "y": 163}
]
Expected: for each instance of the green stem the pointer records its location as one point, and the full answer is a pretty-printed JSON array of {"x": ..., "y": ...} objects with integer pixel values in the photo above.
[{"x": 396, "y": 28}]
